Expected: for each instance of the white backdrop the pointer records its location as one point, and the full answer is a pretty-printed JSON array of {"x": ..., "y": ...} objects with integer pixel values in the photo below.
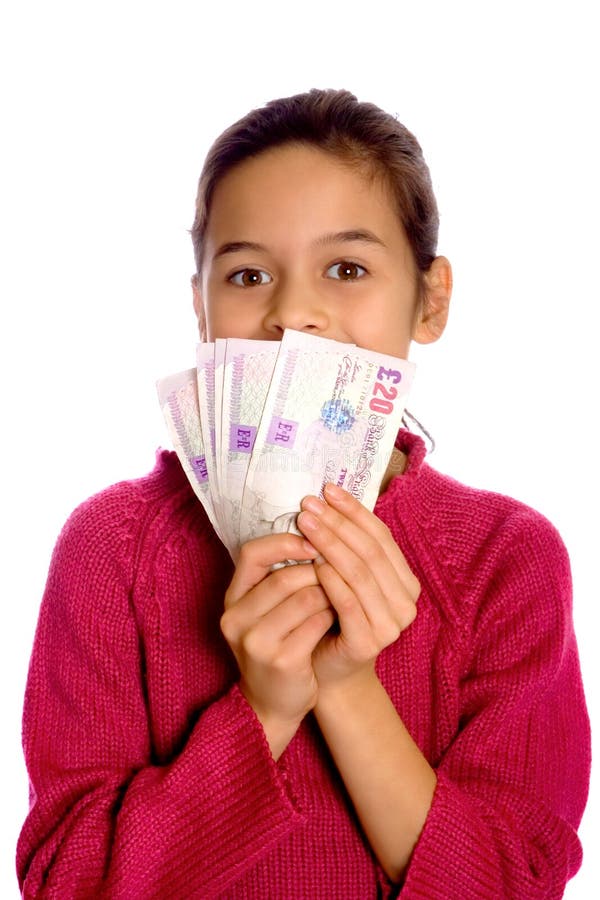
[{"x": 107, "y": 111}]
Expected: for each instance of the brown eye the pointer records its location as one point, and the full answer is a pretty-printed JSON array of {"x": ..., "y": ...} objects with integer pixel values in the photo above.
[
  {"x": 250, "y": 278},
  {"x": 347, "y": 271}
]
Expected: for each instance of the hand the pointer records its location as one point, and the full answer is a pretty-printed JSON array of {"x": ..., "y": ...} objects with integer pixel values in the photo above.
[
  {"x": 366, "y": 578},
  {"x": 273, "y": 621}
]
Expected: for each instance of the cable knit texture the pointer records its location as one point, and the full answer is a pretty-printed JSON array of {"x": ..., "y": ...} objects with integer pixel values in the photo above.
[{"x": 151, "y": 776}]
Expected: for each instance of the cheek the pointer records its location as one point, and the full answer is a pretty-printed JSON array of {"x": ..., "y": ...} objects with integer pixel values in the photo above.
[
  {"x": 225, "y": 319},
  {"x": 385, "y": 326}
]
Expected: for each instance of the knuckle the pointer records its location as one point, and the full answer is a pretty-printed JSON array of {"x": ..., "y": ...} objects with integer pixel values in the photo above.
[
  {"x": 415, "y": 587},
  {"x": 410, "y": 615},
  {"x": 393, "y": 633},
  {"x": 291, "y": 579},
  {"x": 404, "y": 613},
  {"x": 287, "y": 579},
  {"x": 229, "y": 599},
  {"x": 302, "y": 597},
  {"x": 227, "y": 624},
  {"x": 345, "y": 602},
  {"x": 316, "y": 600},
  {"x": 252, "y": 644},
  {"x": 322, "y": 617},
  {"x": 374, "y": 552},
  {"x": 337, "y": 520},
  {"x": 281, "y": 663},
  {"x": 359, "y": 575},
  {"x": 245, "y": 553}
]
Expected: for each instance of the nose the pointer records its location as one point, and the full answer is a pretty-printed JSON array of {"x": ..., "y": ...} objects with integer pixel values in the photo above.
[{"x": 296, "y": 306}]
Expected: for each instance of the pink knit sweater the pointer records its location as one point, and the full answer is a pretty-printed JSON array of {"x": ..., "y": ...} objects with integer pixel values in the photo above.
[{"x": 151, "y": 776}]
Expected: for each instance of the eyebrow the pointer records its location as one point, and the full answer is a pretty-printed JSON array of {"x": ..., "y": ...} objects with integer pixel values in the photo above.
[
  {"x": 333, "y": 237},
  {"x": 340, "y": 237}
]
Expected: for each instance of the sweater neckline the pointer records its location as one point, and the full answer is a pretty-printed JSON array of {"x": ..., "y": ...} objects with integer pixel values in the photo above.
[{"x": 413, "y": 446}]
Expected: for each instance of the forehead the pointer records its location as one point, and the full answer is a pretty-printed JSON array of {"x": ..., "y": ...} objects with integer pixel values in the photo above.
[{"x": 303, "y": 188}]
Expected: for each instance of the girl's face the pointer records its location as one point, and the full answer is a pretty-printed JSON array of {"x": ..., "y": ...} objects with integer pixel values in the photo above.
[{"x": 298, "y": 239}]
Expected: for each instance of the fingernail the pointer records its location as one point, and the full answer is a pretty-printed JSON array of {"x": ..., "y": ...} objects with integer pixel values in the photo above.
[
  {"x": 307, "y": 521},
  {"x": 314, "y": 504},
  {"x": 308, "y": 547},
  {"x": 334, "y": 491}
]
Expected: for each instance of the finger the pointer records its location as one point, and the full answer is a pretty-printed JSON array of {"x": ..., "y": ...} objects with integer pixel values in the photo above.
[
  {"x": 259, "y": 602},
  {"x": 241, "y": 614},
  {"x": 302, "y": 641},
  {"x": 360, "y": 560},
  {"x": 373, "y": 581},
  {"x": 354, "y": 623},
  {"x": 366, "y": 535},
  {"x": 267, "y": 634},
  {"x": 368, "y": 620},
  {"x": 368, "y": 522},
  {"x": 259, "y": 555}
]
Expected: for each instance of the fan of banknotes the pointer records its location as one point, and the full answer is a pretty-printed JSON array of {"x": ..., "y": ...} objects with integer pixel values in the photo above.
[{"x": 258, "y": 425}]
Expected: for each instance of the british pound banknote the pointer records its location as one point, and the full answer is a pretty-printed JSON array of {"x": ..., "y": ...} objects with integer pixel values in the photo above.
[
  {"x": 178, "y": 398},
  {"x": 332, "y": 413},
  {"x": 258, "y": 425},
  {"x": 247, "y": 373}
]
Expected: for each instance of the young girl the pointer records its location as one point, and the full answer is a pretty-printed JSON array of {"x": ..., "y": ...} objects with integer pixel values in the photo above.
[{"x": 195, "y": 730}]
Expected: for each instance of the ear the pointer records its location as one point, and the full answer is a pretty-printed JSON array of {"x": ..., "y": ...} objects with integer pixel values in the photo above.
[
  {"x": 199, "y": 306},
  {"x": 435, "y": 301}
]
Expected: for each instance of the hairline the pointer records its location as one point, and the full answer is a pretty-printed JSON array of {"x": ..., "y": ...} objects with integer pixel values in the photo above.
[{"x": 354, "y": 157}]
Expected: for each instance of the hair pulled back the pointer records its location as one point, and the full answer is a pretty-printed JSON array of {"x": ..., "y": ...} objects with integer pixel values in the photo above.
[{"x": 360, "y": 134}]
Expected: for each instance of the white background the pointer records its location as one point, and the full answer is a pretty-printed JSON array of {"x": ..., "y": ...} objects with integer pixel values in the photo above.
[{"x": 107, "y": 111}]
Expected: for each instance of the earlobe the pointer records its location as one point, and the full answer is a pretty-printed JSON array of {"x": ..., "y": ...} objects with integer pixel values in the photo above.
[
  {"x": 198, "y": 306},
  {"x": 433, "y": 312}
]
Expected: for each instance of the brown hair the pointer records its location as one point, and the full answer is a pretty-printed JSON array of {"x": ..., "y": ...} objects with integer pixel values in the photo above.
[{"x": 336, "y": 122}]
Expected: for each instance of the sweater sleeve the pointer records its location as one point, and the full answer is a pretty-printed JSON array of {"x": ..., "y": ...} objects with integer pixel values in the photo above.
[
  {"x": 105, "y": 819},
  {"x": 512, "y": 785}
]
